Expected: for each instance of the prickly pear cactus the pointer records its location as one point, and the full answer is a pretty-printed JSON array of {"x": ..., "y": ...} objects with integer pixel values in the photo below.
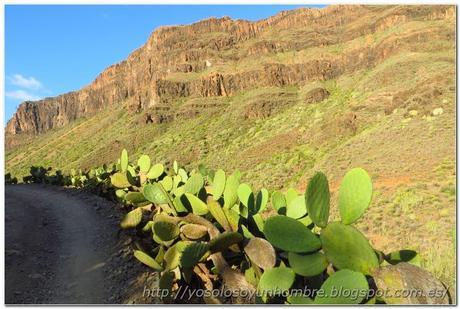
[{"x": 208, "y": 229}]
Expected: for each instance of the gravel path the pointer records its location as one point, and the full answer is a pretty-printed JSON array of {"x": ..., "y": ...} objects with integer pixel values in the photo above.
[{"x": 64, "y": 246}]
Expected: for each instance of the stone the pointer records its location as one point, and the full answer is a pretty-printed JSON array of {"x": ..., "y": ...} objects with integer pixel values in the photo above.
[
  {"x": 404, "y": 277},
  {"x": 316, "y": 95}
]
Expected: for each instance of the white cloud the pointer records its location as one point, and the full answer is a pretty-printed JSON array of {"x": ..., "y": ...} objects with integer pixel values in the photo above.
[
  {"x": 25, "y": 82},
  {"x": 21, "y": 95}
]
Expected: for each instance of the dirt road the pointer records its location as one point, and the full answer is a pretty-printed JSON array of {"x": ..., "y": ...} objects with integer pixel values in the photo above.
[{"x": 63, "y": 247}]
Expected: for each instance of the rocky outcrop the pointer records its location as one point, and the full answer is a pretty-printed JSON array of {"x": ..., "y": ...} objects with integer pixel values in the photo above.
[
  {"x": 196, "y": 60},
  {"x": 316, "y": 95}
]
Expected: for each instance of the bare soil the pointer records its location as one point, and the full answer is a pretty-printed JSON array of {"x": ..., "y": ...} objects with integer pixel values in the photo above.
[{"x": 64, "y": 246}]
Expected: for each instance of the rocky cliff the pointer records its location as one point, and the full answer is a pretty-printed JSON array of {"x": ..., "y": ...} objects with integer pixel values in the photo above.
[{"x": 222, "y": 57}]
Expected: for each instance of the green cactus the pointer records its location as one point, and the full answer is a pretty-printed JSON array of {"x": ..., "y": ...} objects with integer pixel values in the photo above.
[
  {"x": 175, "y": 167},
  {"x": 173, "y": 255},
  {"x": 343, "y": 280},
  {"x": 219, "y": 215},
  {"x": 183, "y": 174},
  {"x": 155, "y": 193},
  {"x": 233, "y": 218},
  {"x": 355, "y": 195},
  {"x": 119, "y": 180},
  {"x": 290, "y": 195},
  {"x": 147, "y": 260},
  {"x": 155, "y": 171},
  {"x": 231, "y": 190},
  {"x": 166, "y": 284},
  {"x": 165, "y": 230},
  {"x": 299, "y": 300},
  {"x": 408, "y": 256},
  {"x": 279, "y": 202},
  {"x": 178, "y": 205},
  {"x": 194, "y": 204},
  {"x": 124, "y": 160},
  {"x": 194, "y": 183},
  {"x": 307, "y": 265},
  {"x": 258, "y": 221},
  {"x": 176, "y": 182},
  {"x": 132, "y": 176},
  {"x": 134, "y": 197},
  {"x": 275, "y": 281},
  {"x": 245, "y": 195},
  {"x": 120, "y": 193},
  {"x": 346, "y": 247},
  {"x": 261, "y": 200},
  {"x": 306, "y": 221},
  {"x": 144, "y": 163},
  {"x": 147, "y": 227},
  {"x": 132, "y": 218},
  {"x": 235, "y": 231},
  {"x": 296, "y": 208},
  {"x": 193, "y": 253},
  {"x": 251, "y": 276},
  {"x": 218, "y": 184},
  {"x": 167, "y": 183},
  {"x": 317, "y": 198},
  {"x": 290, "y": 235}
]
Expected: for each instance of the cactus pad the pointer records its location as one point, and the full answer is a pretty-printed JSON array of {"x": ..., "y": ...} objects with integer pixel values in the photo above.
[
  {"x": 194, "y": 231},
  {"x": 307, "y": 265},
  {"x": 261, "y": 200},
  {"x": 218, "y": 213},
  {"x": 155, "y": 171},
  {"x": 279, "y": 202},
  {"x": 355, "y": 195},
  {"x": 194, "y": 183},
  {"x": 218, "y": 184},
  {"x": 144, "y": 163},
  {"x": 193, "y": 253},
  {"x": 245, "y": 195},
  {"x": 147, "y": 260},
  {"x": 132, "y": 218},
  {"x": 135, "y": 197},
  {"x": 224, "y": 240},
  {"x": 276, "y": 280},
  {"x": 261, "y": 253},
  {"x": 193, "y": 203},
  {"x": 165, "y": 230},
  {"x": 317, "y": 199},
  {"x": 119, "y": 180},
  {"x": 296, "y": 208},
  {"x": 343, "y": 280},
  {"x": 346, "y": 247},
  {"x": 124, "y": 160},
  {"x": 231, "y": 190},
  {"x": 290, "y": 235},
  {"x": 155, "y": 193}
]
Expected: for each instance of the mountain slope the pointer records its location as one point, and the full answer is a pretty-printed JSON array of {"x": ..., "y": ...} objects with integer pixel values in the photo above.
[{"x": 306, "y": 90}]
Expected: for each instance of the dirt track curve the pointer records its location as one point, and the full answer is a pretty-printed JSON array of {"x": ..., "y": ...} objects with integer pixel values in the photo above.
[{"x": 62, "y": 246}]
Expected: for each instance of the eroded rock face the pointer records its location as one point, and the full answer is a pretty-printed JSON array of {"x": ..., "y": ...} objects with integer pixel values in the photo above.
[{"x": 174, "y": 62}]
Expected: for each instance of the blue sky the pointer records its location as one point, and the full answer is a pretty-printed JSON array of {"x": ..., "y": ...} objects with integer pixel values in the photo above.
[{"x": 53, "y": 49}]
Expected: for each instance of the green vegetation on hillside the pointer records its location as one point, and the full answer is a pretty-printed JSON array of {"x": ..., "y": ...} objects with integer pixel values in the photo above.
[{"x": 205, "y": 229}]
